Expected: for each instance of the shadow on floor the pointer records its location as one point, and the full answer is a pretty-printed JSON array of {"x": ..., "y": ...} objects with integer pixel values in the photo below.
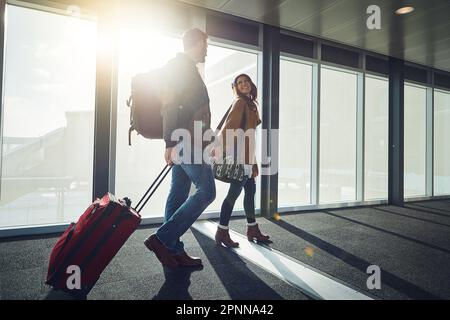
[
  {"x": 411, "y": 217},
  {"x": 407, "y": 288},
  {"x": 437, "y": 211},
  {"x": 432, "y": 246},
  {"x": 239, "y": 281},
  {"x": 54, "y": 294},
  {"x": 176, "y": 284}
]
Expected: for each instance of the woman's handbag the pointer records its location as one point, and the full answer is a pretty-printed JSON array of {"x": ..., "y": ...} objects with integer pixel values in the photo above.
[{"x": 228, "y": 170}]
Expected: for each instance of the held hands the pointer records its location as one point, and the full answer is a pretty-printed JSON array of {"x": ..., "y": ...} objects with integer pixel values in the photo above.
[{"x": 170, "y": 155}]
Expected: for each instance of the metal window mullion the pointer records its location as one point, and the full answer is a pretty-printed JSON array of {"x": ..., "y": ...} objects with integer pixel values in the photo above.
[
  {"x": 260, "y": 89},
  {"x": 265, "y": 79},
  {"x": 274, "y": 119},
  {"x": 360, "y": 136},
  {"x": 396, "y": 132},
  {"x": 2, "y": 72},
  {"x": 270, "y": 77},
  {"x": 315, "y": 135},
  {"x": 105, "y": 100},
  {"x": 315, "y": 127},
  {"x": 114, "y": 110},
  {"x": 429, "y": 175}
]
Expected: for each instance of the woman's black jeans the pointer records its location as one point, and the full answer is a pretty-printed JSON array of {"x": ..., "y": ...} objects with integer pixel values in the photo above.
[{"x": 249, "y": 186}]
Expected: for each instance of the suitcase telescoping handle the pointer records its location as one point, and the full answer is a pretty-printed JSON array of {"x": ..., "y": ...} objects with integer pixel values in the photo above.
[{"x": 163, "y": 173}]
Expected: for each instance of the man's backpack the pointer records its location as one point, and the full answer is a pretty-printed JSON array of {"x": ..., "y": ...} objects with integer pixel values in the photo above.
[{"x": 145, "y": 105}]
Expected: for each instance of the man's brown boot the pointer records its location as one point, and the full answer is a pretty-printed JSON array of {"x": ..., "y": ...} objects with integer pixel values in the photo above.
[
  {"x": 184, "y": 260},
  {"x": 162, "y": 253}
]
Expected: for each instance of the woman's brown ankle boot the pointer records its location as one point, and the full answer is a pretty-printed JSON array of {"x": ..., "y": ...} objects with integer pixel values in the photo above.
[
  {"x": 223, "y": 236},
  {"x": 253, "y": 233}
]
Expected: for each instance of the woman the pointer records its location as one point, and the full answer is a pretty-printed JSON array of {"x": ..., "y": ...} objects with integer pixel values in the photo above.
[{"x": 243, "y": 114}]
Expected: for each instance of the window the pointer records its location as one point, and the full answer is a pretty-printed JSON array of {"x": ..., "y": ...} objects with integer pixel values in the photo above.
[
  {"x": 376, "y": 138},
  {"x": 138, "y": 165},
  {"x": 414, "y": 140},
  {"x": 48, "y": 118},
  {"x": 337, "y": 135},
  {"x": 441, "y": 145},
  {"x": 294, "y": 174},
  {"x": 221, "y": 67}
]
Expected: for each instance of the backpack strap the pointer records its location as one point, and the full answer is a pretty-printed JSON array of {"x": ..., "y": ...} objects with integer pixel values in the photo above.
[
  {"x": 223, "y": 118},
  {"x": 244, "y": 118}
]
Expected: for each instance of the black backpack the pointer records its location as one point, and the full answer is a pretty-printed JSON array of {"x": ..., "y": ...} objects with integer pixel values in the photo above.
[{"x": 145, "y": 105}]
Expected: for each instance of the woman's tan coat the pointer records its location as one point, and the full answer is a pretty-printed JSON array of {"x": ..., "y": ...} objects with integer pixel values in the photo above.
[{"x": 233, "y": 122}]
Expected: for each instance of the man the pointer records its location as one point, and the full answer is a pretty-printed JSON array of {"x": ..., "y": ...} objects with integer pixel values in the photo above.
[{"x": 185, "y": 103}]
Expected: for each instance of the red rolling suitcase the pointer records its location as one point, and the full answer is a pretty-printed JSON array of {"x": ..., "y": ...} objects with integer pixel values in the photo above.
[{"x": 90, "y": 244}]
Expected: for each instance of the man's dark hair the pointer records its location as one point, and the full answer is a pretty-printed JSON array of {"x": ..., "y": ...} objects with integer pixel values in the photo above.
[{"x": 192, "y": 37}]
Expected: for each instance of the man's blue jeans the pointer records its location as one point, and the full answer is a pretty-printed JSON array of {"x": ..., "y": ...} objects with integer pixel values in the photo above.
[{"x": 181, "y": 211}]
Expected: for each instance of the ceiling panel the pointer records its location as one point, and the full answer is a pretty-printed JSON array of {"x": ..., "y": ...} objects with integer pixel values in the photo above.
[
  {"x": 300, "y": 11},
  {"x": 211, "y": 4},
  {"x": 422, "y": 36},
  {"x": 339, "y": 13},
  {"x": 251, "y": 8}
]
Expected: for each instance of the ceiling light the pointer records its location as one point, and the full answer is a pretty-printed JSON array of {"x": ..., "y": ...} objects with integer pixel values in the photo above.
[{"x": 404, "y": 10}]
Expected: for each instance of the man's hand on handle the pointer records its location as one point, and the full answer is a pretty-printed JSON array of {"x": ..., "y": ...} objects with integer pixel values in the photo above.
[{"x": 169, "y": 155}]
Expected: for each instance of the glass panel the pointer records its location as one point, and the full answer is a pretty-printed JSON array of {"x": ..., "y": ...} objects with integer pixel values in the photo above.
[
  {"x": 138, "y": 165},
  {"x": 441, "y": 145},
  {"x": 48, "y": 118},
  {"x": 294, "y": 174},
  {"x": 337, "y": 136},
  {"x": 376, "y": 138},
  {"x": 414, "y": 140},
  {"x": 221, "y": 67}
]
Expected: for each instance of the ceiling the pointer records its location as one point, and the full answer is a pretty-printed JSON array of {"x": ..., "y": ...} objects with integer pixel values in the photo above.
[{"x": 422, "y": 36}]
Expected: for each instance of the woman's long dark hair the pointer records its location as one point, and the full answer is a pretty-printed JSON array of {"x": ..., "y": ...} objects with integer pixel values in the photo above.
[{"x": 253, "y": 92}]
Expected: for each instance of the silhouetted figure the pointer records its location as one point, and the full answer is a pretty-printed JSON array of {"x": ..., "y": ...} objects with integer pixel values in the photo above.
[{"x": 185, "y": 105}]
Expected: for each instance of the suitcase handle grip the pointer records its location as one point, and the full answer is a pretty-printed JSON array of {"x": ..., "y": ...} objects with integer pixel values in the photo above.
[{"x": 137, "y": 208}]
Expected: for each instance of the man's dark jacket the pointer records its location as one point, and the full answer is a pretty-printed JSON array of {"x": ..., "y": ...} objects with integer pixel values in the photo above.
[{"x": 188, "y": 98}]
